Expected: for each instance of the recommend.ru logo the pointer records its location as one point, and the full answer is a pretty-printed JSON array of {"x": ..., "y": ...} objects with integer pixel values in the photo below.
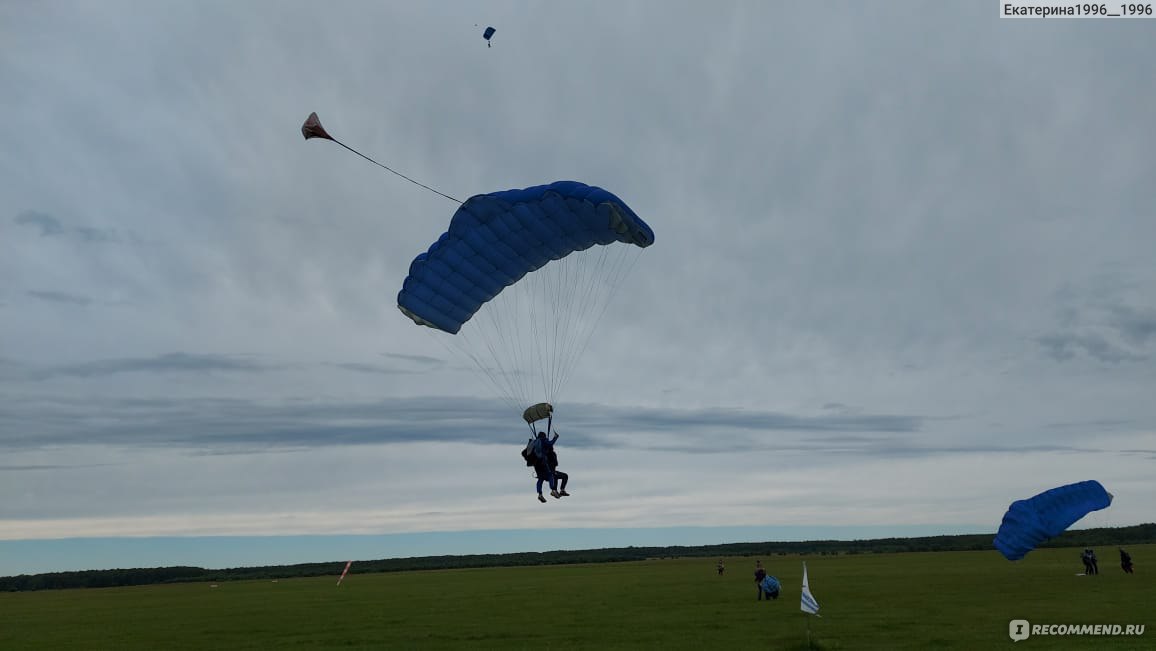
[{"x": 1022, "y": 629}]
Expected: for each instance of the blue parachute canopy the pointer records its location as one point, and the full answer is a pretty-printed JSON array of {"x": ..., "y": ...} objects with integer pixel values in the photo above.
[
  {"x": 770, "y": 586},
  {"x": 488, "y": 33},
  {"x": 1030, "y": 522},
  {"x": 495, "y": 239}
]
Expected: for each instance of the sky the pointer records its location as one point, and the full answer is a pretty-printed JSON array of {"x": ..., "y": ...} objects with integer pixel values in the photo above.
[{"x": 902, "y": 274}]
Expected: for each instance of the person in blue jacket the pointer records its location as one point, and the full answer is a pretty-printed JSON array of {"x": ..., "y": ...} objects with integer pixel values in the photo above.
[{"x": 542, "y": 448}]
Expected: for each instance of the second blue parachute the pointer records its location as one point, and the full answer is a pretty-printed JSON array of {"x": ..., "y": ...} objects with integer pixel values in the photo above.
[{"x": 1030, "y": 522}]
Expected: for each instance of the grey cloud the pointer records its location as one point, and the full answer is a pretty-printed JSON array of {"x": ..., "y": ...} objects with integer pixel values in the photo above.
[
  {"x": 235, "y": 422},
  {"x": 1102, "y": 423},
  {"x": 875, "y": 448},
  {"x": 1066, "y": 346},
  {"x": 59, "y": 297},
  {"x": 12, "y": 370},
  {"x": 757, "y": 420},
  {"x": 1100, "y": 319},
  {"x": 417, "y": 359},
  {"x": 1136, "y": 325},
  {"x": 96, "y": 234},
  {"x": 840, "y": 408},
  {"x": 167, "y": 363},
  {"x": 361, "y": 367},
  {"x": 50, "y": 226},
  {"x": 38, "y": 467},
  {"x": 47, "y": 224},
  {"x": 234, "y": 426}
]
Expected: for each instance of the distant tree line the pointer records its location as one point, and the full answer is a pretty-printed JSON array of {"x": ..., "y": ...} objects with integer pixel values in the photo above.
[{"x": 1103, "y": 537}]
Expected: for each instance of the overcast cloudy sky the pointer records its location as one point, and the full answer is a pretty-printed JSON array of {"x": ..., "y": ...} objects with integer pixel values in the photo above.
[{"x": 903, "y": 273}]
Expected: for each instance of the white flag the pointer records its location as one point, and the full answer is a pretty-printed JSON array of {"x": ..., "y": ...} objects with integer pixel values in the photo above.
[{"x": 807, "y": 602}]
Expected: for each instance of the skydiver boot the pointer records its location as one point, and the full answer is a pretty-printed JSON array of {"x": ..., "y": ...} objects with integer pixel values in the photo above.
[
  {"x": 540, "y": 498},
  {"x": 553, "y": 494}
]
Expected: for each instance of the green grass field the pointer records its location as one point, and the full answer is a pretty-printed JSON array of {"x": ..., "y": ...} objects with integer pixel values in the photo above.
[{"x": 945, "y": 600}]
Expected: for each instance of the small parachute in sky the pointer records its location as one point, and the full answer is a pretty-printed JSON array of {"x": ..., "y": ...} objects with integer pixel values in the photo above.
[
  {"x": 487, "y": 34},
  {"x": 1030, "y": 522}
]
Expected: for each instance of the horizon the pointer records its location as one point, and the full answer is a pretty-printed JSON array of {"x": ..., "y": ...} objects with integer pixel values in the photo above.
[{"x": 294, "y": 550}]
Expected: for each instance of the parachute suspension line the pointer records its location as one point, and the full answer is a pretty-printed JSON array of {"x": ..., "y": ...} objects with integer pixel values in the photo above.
[
  {"x": 591, "y": 290},
  {"x": 574, "y": 290},
  {"x": 550, "y": 291},
  {"x": 503, "y": 378},
  {"x": 501, "y": 333},
  {"x": 581, "y": 292},
  {"x": 465, "y": 352},
  {"x": 561, "y": 293},
  {"x": 571, "y": 294},
  {"x": 509, "y": 331},
  {"x": 503, "y": 355},
  {"x": 619, "y": 271},
  {"x": 541, "y": 334},
  {"x": 488, "y": 327},
  {"x": 520, "y": 348},
  {"x": 568, "y": 288},
  {"x": 529, "y": 338}
]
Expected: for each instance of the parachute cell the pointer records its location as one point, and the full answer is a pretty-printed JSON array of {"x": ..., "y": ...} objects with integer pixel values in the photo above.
[
  {"x": 1030, "y": 522},
  {"x": 521, "y": 278},
  {"x": 487, "y": 34}
]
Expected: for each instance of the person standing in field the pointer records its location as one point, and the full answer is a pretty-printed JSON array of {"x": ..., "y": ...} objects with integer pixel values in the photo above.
[
  {"x": 722, "y": 568},
  {"x": 760, "y": 574},
  {"x": 1092, "y": 561},
  {"x": 1125, "y": 561},
  {"x": 1087, "y": 561}
]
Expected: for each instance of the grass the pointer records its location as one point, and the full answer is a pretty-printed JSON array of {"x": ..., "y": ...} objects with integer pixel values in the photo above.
[{"x": 941, "y": 600}]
